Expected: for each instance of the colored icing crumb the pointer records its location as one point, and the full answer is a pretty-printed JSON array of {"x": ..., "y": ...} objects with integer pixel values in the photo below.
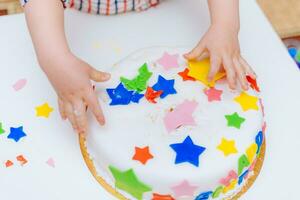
[
  {"x": 213, "y": 94},
  {"x": 43, "y": 110},
  {"x": 184, "y": 75},
  {"x": 22, "y": 159},
  {"x": 253, "y": 83},
  {"x": 142, "y": 154},
  {"x": 151, "y": 95},
  {"x": 227, "y": 147},
  {"x": 8, "y": 163},
  {"x": 1, "y": 129},
  {"x": 200, "y": 69},
  {"x": 247, "y": 102},
  {"x": 16, "y": 133},
  {"x": 168, "y": 61},
  {"x": 129, "y": 182},
  {"x": 167, "y": 86},
  {"x": 139, "y": 83},
  {"x": 184, "y": 189},
  {"x": 234, "y": 120},
  {"x": 182, "y": 115},
  {"x": 187, "y": 151}
]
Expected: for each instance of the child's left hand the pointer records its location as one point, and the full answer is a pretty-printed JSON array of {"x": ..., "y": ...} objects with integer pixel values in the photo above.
[{"x": 222, "y": 45}]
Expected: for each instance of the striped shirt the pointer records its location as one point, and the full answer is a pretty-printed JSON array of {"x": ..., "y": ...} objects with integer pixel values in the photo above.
[{"x": 106, "y": 7}]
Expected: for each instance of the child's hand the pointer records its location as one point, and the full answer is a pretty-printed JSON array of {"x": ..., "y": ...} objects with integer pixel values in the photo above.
[
  {"x": 71, "y": 78},
  {"x": 222, "y": 45}
]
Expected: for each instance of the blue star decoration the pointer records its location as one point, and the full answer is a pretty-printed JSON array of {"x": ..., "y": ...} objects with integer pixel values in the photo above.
[
  {"x": 121, "y": 96},
  {"x": 187, "y": 151},
  {"x": 16, "y": 133},
  {"x": 167, "y": 86}
]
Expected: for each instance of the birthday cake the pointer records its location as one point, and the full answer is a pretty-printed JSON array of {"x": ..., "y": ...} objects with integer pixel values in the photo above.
[{"x": 171, "y": 134}]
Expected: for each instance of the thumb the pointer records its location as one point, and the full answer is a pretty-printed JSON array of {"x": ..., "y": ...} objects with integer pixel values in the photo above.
[{"x": 98, "y": 76}]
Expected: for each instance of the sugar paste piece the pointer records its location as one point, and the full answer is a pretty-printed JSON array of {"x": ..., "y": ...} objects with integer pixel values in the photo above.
[
  {"x": 227, "y": 147},
  {"x": 253, "y": 83},
  {"x": 43, "y": 110},
  {"x": 142, "y": 154},
  {"x": 22, "y": 160},
  {"x": 20, "y": 84},
  {"x": 16, "y": 133},
  {"x": 1, "y": 129},
  {"x": 184, "y": 75},
  {"x": 234, "y": 120},
  {"x": 184, "y": 189},
  {"x": 213, "y": 94},
  {"x": 168, "y": 61},
  {"x": 167, "y": 86},
  {"x": 156, "y": 196},
  {"x": 247, "y": 102},
  {"x": 151, "y": 95}
]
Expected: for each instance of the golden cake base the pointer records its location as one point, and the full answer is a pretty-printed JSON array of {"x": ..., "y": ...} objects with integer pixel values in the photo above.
[{"x": 90, "y": 164}]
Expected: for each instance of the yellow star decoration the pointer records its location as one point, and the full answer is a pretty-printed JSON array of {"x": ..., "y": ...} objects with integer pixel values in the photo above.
[
  {"x": 227, "y": 147},
  {"x": 43, "y": 110},
  {"x": 200, "y": 69},
  {"x": 247, "y": 101}
]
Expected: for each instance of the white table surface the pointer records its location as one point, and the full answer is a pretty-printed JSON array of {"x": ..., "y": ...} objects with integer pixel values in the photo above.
[{"x": 102, "y": 41}]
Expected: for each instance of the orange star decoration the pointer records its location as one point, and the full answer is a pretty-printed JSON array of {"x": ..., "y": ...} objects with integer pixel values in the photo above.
[
  {"x": 151, "y": 94},
  {"x": 227, "y": 147},
  {"x": 247, "y": 102},
  {"x": 9, "y": 163},
  {"x": 22, "y": 160},
  {"x": 200, "y": 69},
  {"x": 184, "y": 75},
  {"x": 142, "y": 154},
  {"x": 161, "y": 197},
  {"x": 43, "y": 110}
]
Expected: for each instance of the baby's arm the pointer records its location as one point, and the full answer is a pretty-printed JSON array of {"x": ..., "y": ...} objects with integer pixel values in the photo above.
[
  {"x": 221, "y": 43},
  {"x": 70, "y": 76}
]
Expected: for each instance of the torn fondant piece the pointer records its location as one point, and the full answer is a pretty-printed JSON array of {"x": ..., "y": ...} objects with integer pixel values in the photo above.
[
  {"x": 151, "y": 95},
  {"x": 21, "y": 159},
  {"x": 184, "y": 75}
]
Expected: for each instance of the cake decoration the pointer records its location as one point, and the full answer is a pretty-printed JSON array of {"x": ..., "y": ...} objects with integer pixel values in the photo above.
[
  {"x": 264, "y": 126},
  {"x": 253, "y": 83},
  {"x": 168, "y": 61},
  {"x": 184, "y": 75},
  {"x": 246, "y": 101},
  {"x": 167, "y": 86},
  {"x": 21, "y": 159},
  {"x": 187, "y": 151},
  {"x": 182, "y": 115},
  {"x": 243, "y": 162},
  {"x": 120, "y": 95},
  {"x": 200, "y": 69},
  {"x": 129, "y": 182},
  {"x": 227, "y": 147},
  {"x": 8, "y": 163},
  {"x": 20, "y": 84},
  {"x": 251, "y": 152},
  {"x": 16, "y": 133},
  {"x": 231, "y": 175},
  {"x": 142, "y": 154},
  {"x": 230, "y": 187},
  {"x": 162, "y": 197},
  {"x": 242, "y": 177},
  {"x": 259, "y": 140},
  {"x": 213, "y": 94},
  {"x": 1, "y": 129},
  {"x": 43, "y": 110},
  {"x": 139, "y": 83},
  {"x": 184, "y": 189},
  {"x": 234, "y": 120},
  {"x": 262, "y": 107},
  {"x": 50, "y": 162},
  {"x": 217, "y": 192},
  {"x": 151, "y": 95},
  {"x": 204, "y": 195}
]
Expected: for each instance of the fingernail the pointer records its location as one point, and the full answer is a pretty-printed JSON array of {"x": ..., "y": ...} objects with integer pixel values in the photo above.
[{"x": 106, "y": 75}]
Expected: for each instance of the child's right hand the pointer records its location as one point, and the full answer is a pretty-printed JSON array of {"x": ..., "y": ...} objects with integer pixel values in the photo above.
[{"x": 71, "y": 78}]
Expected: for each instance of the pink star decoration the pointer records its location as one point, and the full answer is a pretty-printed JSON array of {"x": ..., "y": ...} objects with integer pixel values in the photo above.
[
  {"x": 184, "y": 189},
  {"x": 168, "y": 61},
  {"x": 50, "y": 162},
  {"x": 213, "y": 94},
  {"x": 181, "y": 115}
]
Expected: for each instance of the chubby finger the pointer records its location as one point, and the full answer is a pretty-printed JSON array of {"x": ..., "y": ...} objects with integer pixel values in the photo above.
[
  {"x": 215, "y": 63},
  {"x": 95, "y": 107},
  {"x": 241, "y": 75},
  {"x": 98, "y": 76},
  {"x": 230, "y": 72},
  {"x": 70, "y": 114},
  {"x": 248, "y": 69},
  {"x": 196, "y": 52},
  {"x": 80, "y": 115},
  {"x": 61, "y": 109}
]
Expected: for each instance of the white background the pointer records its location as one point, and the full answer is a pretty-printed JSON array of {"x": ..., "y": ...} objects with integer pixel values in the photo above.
[{"x": 102, "y": 41}]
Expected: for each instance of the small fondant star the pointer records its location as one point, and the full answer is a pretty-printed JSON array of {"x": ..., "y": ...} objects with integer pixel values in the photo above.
[
  {"x": 213, "y": 94},
  {"x": 234, "y": 120},
  {"x": 168, "y": 61},
  {"x": 1, "y": 129},
  {"x": 227, "y": 147},
  {"x": 142, "y": 154},
  {"x": 184, "y": 75},
  {"x": 200, "y": 69},
  {"x": 129, "y": 182},
  {"x": 16, "y": 133},
  {"x": 120, "y": 95},
  {"x": 22, "y": 160},
  {"x": 253, "y": 83},
  {"x": 151, "y": 94},
  {"x": 184, "y": 189},
  {"x": 246, "y": 101},
  {"x": 161, "y": 197},
  {"x": 43, "y": 110},
  {"x": 181, "y": 115},
  {"x": 167, "y": 86},
  {"x": 187, "y": 151}
]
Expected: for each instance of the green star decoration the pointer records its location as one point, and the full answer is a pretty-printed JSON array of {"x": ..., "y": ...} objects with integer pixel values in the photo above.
[
  {"x": 1, "y": 129},
  {"x": 234, "y": 120},
  {"x": 129, "y": 182},
  {"x": 139, "y": 83}
]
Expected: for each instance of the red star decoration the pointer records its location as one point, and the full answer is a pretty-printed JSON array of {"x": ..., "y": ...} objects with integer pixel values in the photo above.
[
  {"x": 151, "y": 94},
  {"x": 142, "y": 154},
  {"x": 21, "y": 159},
  {"x": 8, "y": 163},
  {"x": 162, "y": 197},
  {"x": 253, "y": 83},
  {"x": 184, "y": 75},
  {"x": 213, "y": 94}
]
